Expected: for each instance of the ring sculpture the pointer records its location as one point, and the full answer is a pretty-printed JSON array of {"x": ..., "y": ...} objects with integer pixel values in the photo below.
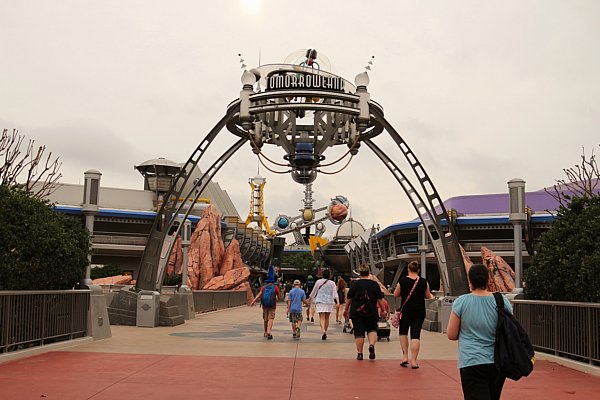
[{"x": 305, "y": 111}]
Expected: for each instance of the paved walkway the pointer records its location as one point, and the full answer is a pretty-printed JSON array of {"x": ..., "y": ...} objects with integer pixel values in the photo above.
[{"x": 223, "y": 355}]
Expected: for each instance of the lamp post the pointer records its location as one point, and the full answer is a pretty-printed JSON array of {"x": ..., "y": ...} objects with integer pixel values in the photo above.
[
  {"x": 517, "y": 216},
  {"x": 423, "y": 247},
  {"x": 89, "y": 207}
]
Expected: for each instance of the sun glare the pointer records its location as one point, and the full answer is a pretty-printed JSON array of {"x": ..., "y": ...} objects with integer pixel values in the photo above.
[{"x": 251, "y": 6}]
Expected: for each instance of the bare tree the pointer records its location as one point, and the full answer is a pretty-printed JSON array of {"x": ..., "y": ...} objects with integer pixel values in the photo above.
[
  {"x": 582, "y": 180},
  {"x": 28, "y": 169}
]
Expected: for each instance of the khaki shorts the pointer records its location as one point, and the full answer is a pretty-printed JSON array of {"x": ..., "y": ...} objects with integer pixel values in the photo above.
[{"x": 268, "y": 313}]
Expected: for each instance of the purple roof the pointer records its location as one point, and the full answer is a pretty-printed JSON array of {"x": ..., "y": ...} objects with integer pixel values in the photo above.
[
  {"x": 498, "y": 203},
  {"x": 538, "y": 201}
]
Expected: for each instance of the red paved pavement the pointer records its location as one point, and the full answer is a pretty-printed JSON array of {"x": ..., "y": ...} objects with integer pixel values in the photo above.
[{"x": 65, "y": 375}]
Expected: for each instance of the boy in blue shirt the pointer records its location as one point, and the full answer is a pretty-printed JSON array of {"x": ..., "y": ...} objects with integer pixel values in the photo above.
[{"x": 294, "y": 307}]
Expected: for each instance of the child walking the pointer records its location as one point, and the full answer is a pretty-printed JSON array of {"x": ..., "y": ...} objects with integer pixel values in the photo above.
[{"x": 294, "y": 307}]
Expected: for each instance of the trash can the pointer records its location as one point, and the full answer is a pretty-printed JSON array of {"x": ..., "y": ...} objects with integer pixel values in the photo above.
[
  {"x": 148, "y": 305},
  {"x": 445, "y": 309}
]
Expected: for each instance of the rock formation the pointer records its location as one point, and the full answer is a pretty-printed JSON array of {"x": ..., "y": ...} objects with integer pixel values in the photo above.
[
  {"x": 502, "y": 277},
  {"x": 232, "y": 258},
  {"x": 210, "y": 265},
  {"x": 206, "y": 249},
  {"x": 229, "y": 280},
  {"x": 114, "y": 280}
]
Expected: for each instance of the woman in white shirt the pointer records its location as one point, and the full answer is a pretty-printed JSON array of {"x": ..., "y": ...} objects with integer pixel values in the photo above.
[{"x": 325, "y": 296}]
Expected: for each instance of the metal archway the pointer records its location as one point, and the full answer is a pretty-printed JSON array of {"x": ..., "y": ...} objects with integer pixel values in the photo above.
[{"x": 342, "y": 114}]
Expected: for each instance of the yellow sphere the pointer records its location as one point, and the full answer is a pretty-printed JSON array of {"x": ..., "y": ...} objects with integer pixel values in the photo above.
[{"x": 308, "y": 214}]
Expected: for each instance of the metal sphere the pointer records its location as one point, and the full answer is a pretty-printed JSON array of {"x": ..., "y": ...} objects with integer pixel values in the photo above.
[{"x": 308, "y": 214}]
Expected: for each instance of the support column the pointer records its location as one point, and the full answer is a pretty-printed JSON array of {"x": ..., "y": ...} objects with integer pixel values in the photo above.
[
  {"x": 185, "y": 296},
  {"x": 517, "y": 216},
  {"x": 423, "y": 247},
  {"x": 89, "y": 207}
]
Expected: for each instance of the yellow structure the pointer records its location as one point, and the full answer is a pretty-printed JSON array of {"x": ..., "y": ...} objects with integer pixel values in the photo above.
[
  {"x": 316, "y": 241},
  {"x": 256, "y": 213}
]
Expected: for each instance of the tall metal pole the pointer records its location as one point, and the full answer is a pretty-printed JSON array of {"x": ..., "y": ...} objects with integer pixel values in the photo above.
[
  {"x": 517, "y": 216},
  {"x": 518, "y": 254},
  {"x": 186, "y": 236},
  {"x": 89, "y": 207},
  {"x": 423, "y": 247}
]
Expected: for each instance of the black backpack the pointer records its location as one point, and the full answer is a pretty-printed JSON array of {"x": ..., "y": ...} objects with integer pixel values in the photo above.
[
  {"x": 362, "y": 307},
  {"x": 513, "y": 353}
]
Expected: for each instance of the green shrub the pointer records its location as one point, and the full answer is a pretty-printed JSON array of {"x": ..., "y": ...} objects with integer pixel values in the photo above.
[
  {"x": 566, "y": 266},
  {"x": 40, "y": 249}
]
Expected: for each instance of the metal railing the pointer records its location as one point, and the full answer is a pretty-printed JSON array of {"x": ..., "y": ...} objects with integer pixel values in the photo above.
[
  {"x": 35, "y": 318},
  {"x": 119, "y": 239},
  {"x": 562, "y": 328}
]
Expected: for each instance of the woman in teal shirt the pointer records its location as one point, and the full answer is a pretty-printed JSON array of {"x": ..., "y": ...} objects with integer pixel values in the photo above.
[{"x": 473, "y": 323}]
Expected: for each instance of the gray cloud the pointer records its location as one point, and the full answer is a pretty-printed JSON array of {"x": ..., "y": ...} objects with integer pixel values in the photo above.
[{"x": 481, "y": 93}]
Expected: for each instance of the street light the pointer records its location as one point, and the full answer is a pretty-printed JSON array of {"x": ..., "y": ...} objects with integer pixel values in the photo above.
[{"x": 517, "y": 216}]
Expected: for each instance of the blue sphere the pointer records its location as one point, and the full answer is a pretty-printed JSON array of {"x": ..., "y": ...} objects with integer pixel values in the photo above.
[{"x": 283, "y": 223}]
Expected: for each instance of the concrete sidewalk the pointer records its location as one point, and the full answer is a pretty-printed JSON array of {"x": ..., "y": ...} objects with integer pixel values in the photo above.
[{"x": 224, "y": 355}]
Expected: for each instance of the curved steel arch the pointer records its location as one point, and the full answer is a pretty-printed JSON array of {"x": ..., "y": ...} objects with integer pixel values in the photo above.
[
  {"x": 446, "y": 247},
  {"x": 359, "y": 112},
  {"x": 168, "y": 220}
]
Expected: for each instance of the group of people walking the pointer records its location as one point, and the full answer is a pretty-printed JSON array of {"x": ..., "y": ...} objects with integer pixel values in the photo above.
[{"x": 472, "y": 320}]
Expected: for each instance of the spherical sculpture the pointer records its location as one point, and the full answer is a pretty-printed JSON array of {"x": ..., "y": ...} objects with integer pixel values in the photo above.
[
  {"x": 338, "y": 209},
  {"x": 282, "y": 222},
  {"x": 308, "y": 214}
]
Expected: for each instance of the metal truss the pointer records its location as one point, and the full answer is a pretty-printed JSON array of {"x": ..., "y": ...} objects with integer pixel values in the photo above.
[
  {"x": 445, "y": 246},
  {"x": 170, "y": 217},
  {"x": 338, "y": 118}
]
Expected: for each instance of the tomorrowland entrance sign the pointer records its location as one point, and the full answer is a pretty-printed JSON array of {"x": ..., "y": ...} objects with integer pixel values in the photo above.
[
  {"x": 303, "y": 80},
  {"x": 305, "y": 111}
]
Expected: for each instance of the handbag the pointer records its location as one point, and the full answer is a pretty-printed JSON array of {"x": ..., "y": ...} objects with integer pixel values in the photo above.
[{"x": 398, "y": 314}]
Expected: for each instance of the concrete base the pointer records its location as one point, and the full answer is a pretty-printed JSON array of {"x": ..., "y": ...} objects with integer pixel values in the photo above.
[
  {"x": 123, "y": 309},
  {"x": 148, "y": 309},
  {"x": 98, "y": 322},
  {"x": 185, "y": 301},
  {"x": 432, "y": 316}
]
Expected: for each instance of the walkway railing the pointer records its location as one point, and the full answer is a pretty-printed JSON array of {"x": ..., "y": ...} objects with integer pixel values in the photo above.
[
  {"x": 35, "y": 318},
  {"x": 562, "y": 328}
]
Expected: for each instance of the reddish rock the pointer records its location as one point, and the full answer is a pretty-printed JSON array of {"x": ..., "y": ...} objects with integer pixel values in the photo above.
[
  {"x": 245, "y": 287},
  {"x": 114, "y": 280},
  {"x": 216, "y": 283},
  {"x": 175, "y": 259},
  {"x": 206, "y": 249},
  {"x": 232, "y": 258},
  {"x": 229, "y": 280},
  {"x": 502, "y": 277}
]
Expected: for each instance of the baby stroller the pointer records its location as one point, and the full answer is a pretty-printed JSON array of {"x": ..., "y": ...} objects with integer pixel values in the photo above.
[
  {"x": 347, "y": 326},
  {"x": 383, "y": 329}
]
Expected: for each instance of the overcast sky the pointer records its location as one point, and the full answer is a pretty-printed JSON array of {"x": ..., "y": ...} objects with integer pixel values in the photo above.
[{"x": 482, "y": 91}]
